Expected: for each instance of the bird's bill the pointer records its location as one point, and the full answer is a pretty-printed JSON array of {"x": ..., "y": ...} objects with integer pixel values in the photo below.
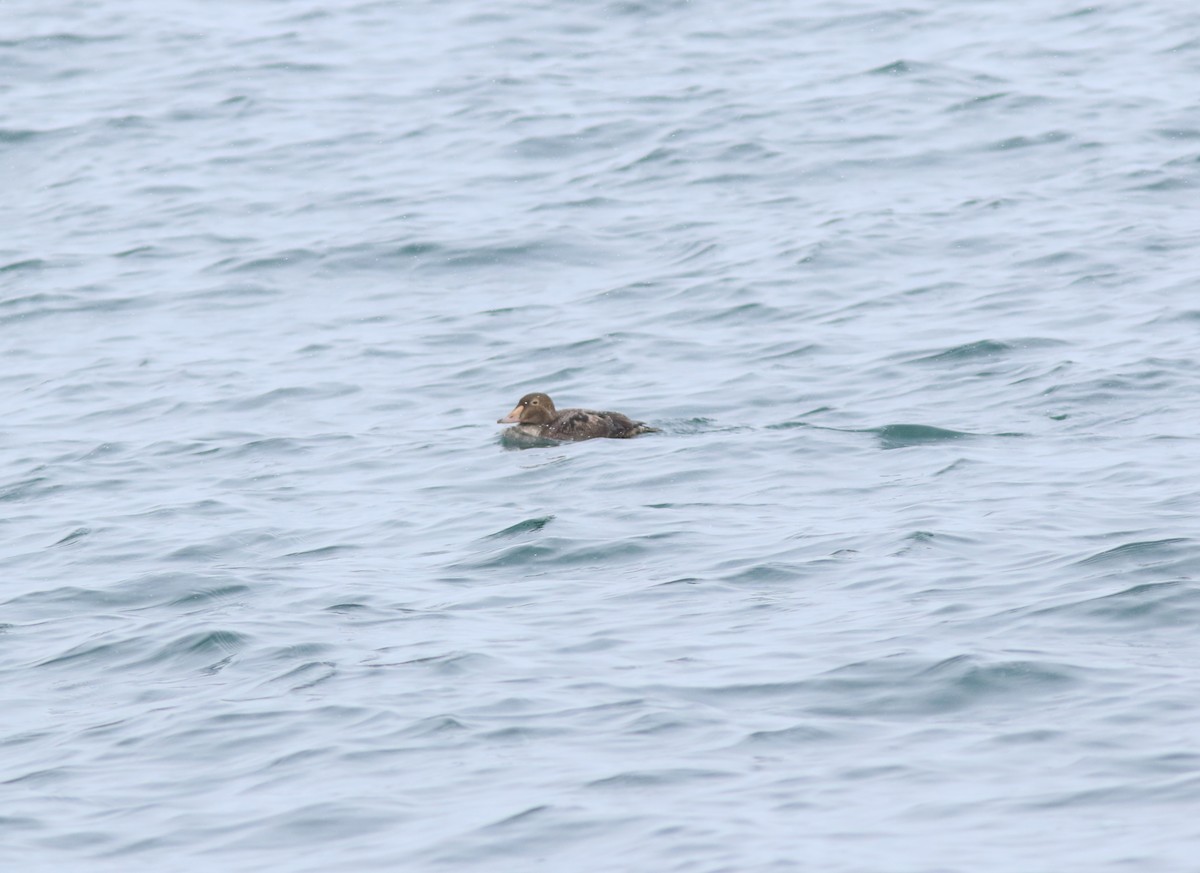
[{"x": 513, "y": 417}]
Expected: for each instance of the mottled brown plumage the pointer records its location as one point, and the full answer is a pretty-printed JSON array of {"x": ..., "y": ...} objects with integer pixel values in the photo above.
[{"x": 536, "y": 416}]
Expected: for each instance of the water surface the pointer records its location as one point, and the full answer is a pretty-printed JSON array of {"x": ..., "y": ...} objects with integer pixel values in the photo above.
[{"x": 908, "y": 582}]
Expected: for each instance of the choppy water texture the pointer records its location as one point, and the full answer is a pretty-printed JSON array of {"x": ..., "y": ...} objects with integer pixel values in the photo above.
[{"x": 907, "y": 583}]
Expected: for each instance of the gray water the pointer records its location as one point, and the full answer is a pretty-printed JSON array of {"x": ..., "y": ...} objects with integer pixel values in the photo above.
[{"x": 907, "y": 582}]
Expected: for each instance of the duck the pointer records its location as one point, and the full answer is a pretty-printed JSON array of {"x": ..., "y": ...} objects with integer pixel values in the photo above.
[{"x": 535, "y": 416}]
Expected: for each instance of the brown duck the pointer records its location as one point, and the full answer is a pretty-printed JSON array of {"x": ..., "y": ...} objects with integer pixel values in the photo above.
[{"x": 536, "y": 416}]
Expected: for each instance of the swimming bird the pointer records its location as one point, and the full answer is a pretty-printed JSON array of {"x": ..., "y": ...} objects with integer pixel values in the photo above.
[{"x": 536, "y": 416}]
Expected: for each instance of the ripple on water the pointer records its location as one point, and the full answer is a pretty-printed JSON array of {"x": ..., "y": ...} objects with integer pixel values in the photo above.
[
  {"x": 985, "y": 349},
  {"x": 785, "y": 738},
  {"x": 529, "y": 525},
  {"x": 955, "y": 684},
  {"x": 549, "y": 553},
  {"x": 903, "y": 436},
  {"x": 641, "y": 780},
  {"x": 305, "y": 676},
  {"x": 1147, "y": 553},
  {"x": 1151, "y": 606},
  {"x": 203, "y": 650}
]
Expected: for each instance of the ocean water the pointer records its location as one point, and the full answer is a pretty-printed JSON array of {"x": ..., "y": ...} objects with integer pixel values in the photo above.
[{"x": 908, "y": 582}]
